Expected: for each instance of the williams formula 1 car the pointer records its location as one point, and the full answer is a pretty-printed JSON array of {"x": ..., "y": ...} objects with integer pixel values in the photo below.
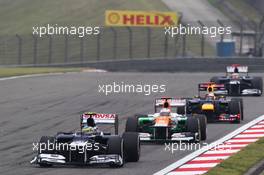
[
  {"x": 89, "y": 146},
  {"x": 167, "y": 125},
  {"x": 237, "y": 84},
  {"x": 214, "y": 105}
]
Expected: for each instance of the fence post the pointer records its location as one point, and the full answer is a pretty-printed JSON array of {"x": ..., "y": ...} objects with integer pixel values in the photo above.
[
  {"x": 50, "y": 49},
  {"x": 183, "y": 45},
  {"x": 148, "y": 42},
  {"x": 202, "y": 39},
  {"x": 261, "y": 39},
  {"x": 98, "y": 46},
  {"x": 19, "y": 53},
  {"x": 66, "y": 49},
  {"x": 81, "y": 49},
  {"x": 166, "y": 40},
  {"x": 114, "y": 42},
  {"x": 130, "y": 42},
  {"x": 176, "y": 39},
  {"x": 241, "y": 38},
  {"x": 35, "y": 49},
  {"x": 256, "y": 44},
  {"x": 222, "y": 25}
]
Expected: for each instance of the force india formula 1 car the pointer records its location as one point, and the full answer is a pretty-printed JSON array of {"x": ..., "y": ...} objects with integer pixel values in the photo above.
[
  {"x": 167, "y": 125},
  {"x": 237, "y": 84},
  {"x": 90, "y": 146},
  {"x": 214, "y": 106}
]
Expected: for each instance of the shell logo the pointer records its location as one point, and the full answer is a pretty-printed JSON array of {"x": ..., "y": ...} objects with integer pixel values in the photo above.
[{"x": 113, "y": 18}]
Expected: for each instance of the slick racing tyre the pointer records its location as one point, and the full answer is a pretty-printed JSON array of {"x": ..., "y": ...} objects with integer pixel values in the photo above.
[
  {"x": 132, "y": 124},
  {"x": 257, "y": 83},
  {"x": 203, "y": 122},
  {"x": 115, "y": 146},
  {"x": 241, "y": 106},
  {"x": 181, "y": 110},
  {"x": 193, "y": 126},
  {"x": 131, "y": 146},
  {"x": 234, "y": 109}
]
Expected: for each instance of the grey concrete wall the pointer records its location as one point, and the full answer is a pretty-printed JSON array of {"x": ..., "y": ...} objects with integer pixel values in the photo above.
[{"x": 179, "y": 65}]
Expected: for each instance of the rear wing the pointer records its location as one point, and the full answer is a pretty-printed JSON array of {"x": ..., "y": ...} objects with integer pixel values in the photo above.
[
  {"x": 237, "y": 69},
  {"x": 173, "y": 102},
  {"x": 100, "y": 118},
  {"x": 217, "y": 89},
  {"x": 206, "y": 86}
]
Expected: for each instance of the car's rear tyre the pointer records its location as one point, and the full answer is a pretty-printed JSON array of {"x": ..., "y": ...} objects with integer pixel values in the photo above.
[
  {"x": 257, "y": 83},
  {"x": 240, "y": 100},
  {"x": 132, "y": 124},
  {"x": 193, "y": 126},
  {"x": 203, "y": 122},
  {"x": 131, "y": 146},
  {"x": 44, "y": 148},
  {"x": 115, "y": 146},
  {"x": 235, "y": 108},
  {"x": 181, "y": 110}
]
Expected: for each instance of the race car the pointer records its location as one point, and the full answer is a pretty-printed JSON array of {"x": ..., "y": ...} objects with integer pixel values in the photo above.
[
  {"x": 166, "y": 125},
  {"x": 90, "y": 145},
  {"x": 238, "y": 82},
  {"x": 214, "y": 105}
]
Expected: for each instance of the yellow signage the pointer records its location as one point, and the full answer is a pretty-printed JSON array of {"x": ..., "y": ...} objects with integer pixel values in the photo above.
[{"x": 140, "y": 18}]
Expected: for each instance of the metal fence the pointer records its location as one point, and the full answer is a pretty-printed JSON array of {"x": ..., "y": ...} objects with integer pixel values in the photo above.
[{"x": 120, "y": 43}]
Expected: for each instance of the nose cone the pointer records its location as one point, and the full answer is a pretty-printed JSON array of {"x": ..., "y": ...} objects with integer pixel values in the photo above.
[
  {"x": 208, "y": 107},
  {"x": 162, "y": 121}
]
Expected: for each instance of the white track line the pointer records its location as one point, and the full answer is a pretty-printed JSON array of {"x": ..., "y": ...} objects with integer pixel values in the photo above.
[
  {"x": 188, "y": 173},
  {"x": 28, "y": 76},
  {"x": 45, "y": 74},
  {"x": 195, "y": 154}
]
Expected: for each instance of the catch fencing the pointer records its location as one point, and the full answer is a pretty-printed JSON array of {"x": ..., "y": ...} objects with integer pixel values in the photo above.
[{"x": 124, "y": 43}]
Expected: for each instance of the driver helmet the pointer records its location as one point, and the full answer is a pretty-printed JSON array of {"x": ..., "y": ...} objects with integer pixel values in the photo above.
[
  {"x": 89, "y": 129},
  {"x": 210, "y": 95},
  {"x": 235, "y": 75},
  {"x": 165, "y": 112}
]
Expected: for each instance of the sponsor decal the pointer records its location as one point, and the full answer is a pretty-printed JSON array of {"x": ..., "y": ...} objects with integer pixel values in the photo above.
[
  {"x": 141, "y": 18},
  {"x": 101, "y": 116}
]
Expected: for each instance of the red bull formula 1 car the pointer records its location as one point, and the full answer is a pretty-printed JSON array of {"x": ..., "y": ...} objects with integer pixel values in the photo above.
[
  {"x": 238, "y": 82},
  {"x": 90, "y": 145},
  {"x": 214, "y": 105}
]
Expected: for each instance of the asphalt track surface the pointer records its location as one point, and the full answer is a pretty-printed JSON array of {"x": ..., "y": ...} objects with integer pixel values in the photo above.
[{"x": 36, "y": 106}]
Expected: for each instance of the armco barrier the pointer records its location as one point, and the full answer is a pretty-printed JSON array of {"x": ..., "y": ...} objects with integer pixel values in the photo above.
[{"x": 178, "y": 65}]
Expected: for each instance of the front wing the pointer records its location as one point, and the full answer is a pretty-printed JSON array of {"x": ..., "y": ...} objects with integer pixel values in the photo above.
[{"x": 60, "y": 159}]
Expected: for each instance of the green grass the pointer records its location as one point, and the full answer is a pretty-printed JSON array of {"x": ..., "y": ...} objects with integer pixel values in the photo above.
[
  {"x": 242, "y": 7},
  {"x": 7, "y": 72},
  {"x": 242, "y": 161},
  {"x": 19, "y": 16}
]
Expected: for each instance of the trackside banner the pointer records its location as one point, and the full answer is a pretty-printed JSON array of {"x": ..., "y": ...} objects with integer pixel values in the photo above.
[{"x": 140, "y": 18}]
